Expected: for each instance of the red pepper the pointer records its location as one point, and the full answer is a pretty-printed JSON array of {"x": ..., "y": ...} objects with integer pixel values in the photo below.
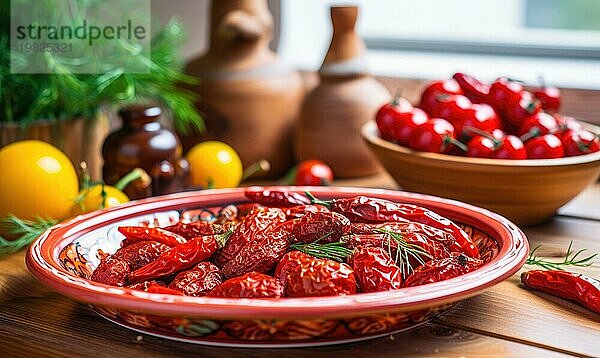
[
  {"x": 198, "y": 281},
  {"x": 194, "y": 229},
  {"x": 179, "y": 258},
  {"x": 299, "y": 211},
  {"x": 444, "y": 269},
  {"x": 140, "y": 253},
  {"x": 112, "y": 272},
  {"x": 140, "y": 233},
  {"x": 474, "y": 89},
  {"x": 326, "y": 226},
  {"x": 374, "y": 270},
  {"x": 246, "y": 231},
  {"x": 250, "y": 285},
  {"x": 365, "y": 209},
  {"x": 569, "y": 285},
  {"x": 275, "y": 198},
  {"x": 263, "y": 252}
]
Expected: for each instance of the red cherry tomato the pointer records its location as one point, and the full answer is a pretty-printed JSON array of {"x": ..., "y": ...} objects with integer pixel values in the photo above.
[
  {"x": 481, "y": 147},
  {"x": 478, "y": 116},
  {"x": 498, "y": 133},
  {"x": 538, "y": 124},
  {"x": 580, "y": 142},
  {"x": 567, "y": 123},
  {"x": 549, "y": 97},
  {"x": 503, "y": 91},
  {"x": 313, "y": 172},
  {"x": 396, "y": 122},
  {"x": 545, "y": 147},
  {"x": 474, "y": 89},
  {"x": 520, "y": 107},
  {"x": 434, "y": 89},
  {"x": 511, "y": 147},
  {"x": 436, "y": 135},
  {"x": 450, "y": 107}
]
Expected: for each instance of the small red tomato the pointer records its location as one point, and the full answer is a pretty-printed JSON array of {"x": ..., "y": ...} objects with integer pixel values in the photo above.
[
  {"x": 198, "y": 281},
  {"x": 498, "y": 133},
  {"x": 539, "y": 124},
  {"x": 545, "y": 147},
  {"x": 567, "y": 123},
  {"x": 429, "y": 98},
  {"x": 511, "y": 147},
  {"x": 474, "y": 89},
  {"x": 374, "y": 270},
  {"x": 249, "y": 285},
  {"x": 481, "y": 147},
  {"x": 303, "y": 275},
  {"x": 521, "y": 107},
  {"x": 479, "y": 116},
  {"x": 451, "y": 107},
  {"x": 436, "y": 135},
  {"x": 140, "y": 253},
  {"x": 580, "y": 142},
  {"x": 112, "y": 272},
  {"x": 549, "y": 97},
  {"x": 397, "y": 125},
  {"x": 444, "y": 269},
  {"x": 313, "y": 172},
  {"x": 503, "y": 91}
]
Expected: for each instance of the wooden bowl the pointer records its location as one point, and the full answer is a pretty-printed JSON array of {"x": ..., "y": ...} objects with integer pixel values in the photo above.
[
  {"x": 65, "y": 255},
  {"x": 528, "y": 192}
]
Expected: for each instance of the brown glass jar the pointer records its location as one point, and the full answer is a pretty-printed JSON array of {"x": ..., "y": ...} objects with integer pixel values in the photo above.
[{"x": 144, "y": 143}]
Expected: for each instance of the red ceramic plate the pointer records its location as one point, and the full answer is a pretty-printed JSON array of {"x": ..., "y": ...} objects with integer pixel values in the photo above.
[{"x": 64, "y": 256}]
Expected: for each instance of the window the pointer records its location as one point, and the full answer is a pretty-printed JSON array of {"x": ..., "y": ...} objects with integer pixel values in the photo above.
[{"x": 559, "y": 39}]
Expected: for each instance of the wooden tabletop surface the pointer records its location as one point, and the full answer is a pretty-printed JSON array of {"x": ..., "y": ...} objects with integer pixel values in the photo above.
[{"x": 506, "y": 321}]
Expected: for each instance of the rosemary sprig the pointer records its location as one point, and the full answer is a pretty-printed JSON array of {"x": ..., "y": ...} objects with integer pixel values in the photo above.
[
  {"x": 332, "y": 250},
  {"x": 569, "y": 260},
  {"x": 26, "y": 230},
  {"x": 404, "y": 251}
]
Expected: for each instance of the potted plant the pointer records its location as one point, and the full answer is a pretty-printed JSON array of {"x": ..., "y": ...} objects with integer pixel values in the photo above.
[{"x": 70, "y": 110}]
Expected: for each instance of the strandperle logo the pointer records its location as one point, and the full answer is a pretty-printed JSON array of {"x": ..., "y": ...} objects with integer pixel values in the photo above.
[
  {"x": 83, "y": 32},
  {"x": 81, "y": 36}
]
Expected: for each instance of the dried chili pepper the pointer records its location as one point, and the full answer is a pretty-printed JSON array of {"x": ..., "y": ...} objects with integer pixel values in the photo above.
[
  {"x": 365, "y": 209},
  {"x": 254, "y": 224},
  {"x": 112, "y": 272},
  {"x": 444, "y": 269},
  {"x": 569, "y": 285},
  {"x": 195, "y": 229},
  {"x": 276, "y": 198},
  {"x": 303, "y": 275},
  {"x": 140, "y": 233},
  {"x": 324, "y": 226},
  {"x": 198, "y": 281},
  {"x": 154, "y": 287},
  {"x": 180, "y": 257},
  {"x": 437, "y": 243},
  {"x": 298, "y": 211},
  {"x": 263, "y": 252},
  {"x": 141, "y": 253},
  {"x": 374, "y": 270},
  {"x": 250, "y": 285}
]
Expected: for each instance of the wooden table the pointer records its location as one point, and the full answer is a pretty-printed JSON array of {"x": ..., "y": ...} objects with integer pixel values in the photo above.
[{"x": 506, "y": 320}]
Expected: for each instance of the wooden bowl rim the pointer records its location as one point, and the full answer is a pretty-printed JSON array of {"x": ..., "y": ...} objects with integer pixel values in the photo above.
[{"x": 370, "y": 134}]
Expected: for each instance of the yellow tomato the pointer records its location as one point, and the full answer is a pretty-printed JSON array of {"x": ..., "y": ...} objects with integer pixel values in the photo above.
[
  {"x": 214, "y": 164},
  {"x": 36, "y": 179},
  {"x": 92, "y": 199}
]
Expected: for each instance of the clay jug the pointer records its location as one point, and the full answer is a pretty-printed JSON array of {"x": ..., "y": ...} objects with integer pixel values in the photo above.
[
  {"x": 347, "y": 96},
  {"x": 142, "y": 142},
  {"x": 247, "y": 97}
]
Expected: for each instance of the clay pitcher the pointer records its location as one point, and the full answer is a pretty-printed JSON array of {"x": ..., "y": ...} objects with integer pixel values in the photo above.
[
  {"x": 248, "y": 98},
  {"x": 347, "y": 96}
]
